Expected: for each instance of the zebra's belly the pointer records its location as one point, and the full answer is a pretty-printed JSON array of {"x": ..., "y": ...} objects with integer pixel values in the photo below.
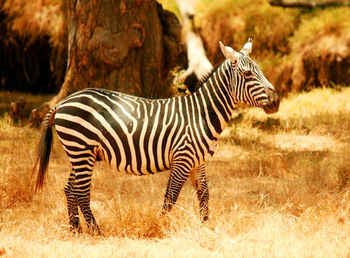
[{"x": 137, "y": 163}]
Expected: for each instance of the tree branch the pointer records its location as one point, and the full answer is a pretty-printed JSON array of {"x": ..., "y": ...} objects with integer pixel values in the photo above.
[{"x": 308, "y": 4}]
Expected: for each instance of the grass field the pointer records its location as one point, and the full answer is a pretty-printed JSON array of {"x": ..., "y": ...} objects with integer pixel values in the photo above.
[{"x": 279, "y": 187}]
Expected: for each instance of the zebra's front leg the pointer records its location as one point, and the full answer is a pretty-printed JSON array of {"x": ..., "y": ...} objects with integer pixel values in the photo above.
[
  {"x": 72, "y": 204},
  {"x": 199, "y": 181},
  {"x": 177, "y": 179}
]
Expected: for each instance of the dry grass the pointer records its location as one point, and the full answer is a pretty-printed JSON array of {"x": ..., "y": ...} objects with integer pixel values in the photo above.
[{"x": 279, "y": 186}]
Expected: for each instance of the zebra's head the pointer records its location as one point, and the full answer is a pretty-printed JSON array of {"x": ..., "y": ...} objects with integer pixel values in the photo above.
[{"x": 250, "y": 85}]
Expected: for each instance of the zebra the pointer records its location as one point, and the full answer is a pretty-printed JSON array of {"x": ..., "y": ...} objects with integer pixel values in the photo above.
[{"x": 144, "y": 136}]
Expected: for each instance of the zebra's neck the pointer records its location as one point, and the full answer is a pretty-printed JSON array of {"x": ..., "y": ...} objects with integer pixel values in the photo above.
[{"x": 215, "y": 97}]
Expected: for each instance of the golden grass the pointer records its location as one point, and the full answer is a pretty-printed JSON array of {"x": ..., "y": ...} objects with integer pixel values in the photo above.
[{"x": 279, "y": 186}]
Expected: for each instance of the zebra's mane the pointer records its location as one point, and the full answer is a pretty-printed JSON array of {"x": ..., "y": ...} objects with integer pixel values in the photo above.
[{"x": 206, "y": 77}]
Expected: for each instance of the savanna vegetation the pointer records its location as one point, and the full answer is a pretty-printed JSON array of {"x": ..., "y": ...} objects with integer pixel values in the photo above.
[
  {"x": 298, "y": 49},
  {"x": 279, "y": 184}
]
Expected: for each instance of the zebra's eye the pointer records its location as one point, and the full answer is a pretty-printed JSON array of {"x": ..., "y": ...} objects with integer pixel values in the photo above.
[{"x": 247, "y": 73}]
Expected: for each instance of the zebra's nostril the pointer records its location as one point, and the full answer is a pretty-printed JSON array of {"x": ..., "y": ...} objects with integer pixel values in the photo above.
[
  {"x": 276, "y": 102},
  {"x": 272, "y": 106}
]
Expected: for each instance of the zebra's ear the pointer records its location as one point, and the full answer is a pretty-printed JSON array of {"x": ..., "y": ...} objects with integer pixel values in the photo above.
[
  {"x": 229, "y": 53},
  {"x": 247, "y": 48}
]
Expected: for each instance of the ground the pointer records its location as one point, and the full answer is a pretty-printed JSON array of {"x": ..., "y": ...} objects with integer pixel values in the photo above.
[{"x": 279, "y": 186}]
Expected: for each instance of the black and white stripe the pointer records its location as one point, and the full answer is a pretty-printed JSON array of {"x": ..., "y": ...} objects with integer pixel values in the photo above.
[{"x": 142, "y": 136}]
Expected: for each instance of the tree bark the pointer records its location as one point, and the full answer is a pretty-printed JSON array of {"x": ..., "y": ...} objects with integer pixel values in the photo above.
[{"x": 124, "y": 45}]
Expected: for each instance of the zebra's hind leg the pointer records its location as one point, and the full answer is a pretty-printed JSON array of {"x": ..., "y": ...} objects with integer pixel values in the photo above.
[
  {"x": 199, "y": 181},
  {"x": 83, "y": 174},
  {"x": 83, "y": 198},
  {"x": 177, "y": 179},
  {"x": 72, "y": 203}
]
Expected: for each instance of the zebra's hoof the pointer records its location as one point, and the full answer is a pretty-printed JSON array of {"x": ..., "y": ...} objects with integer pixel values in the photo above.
[
  {"x": 95, "y": 230},
  {"x": 75, "y": 230},
  {"x": 205, "y": 218}
]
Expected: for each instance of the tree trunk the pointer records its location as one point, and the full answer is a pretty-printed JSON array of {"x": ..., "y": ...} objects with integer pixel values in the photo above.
[
  {"x": 124, "y": 45},
  {"x": 198, "y": 62}
]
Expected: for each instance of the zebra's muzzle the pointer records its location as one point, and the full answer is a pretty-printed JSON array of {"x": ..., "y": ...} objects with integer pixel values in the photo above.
[{"x": 272, "y": 106}]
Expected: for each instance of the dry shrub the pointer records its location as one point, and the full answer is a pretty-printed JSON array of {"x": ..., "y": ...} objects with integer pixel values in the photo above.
[
  {"x": 30, "y": 114},
  {"x": 234, "y": 21},
  {"x": 36, "y": 19},
  {"x": 297, "y": 50},
  {"x": 35, "y": 42},
  {"x": 320, "y": 53},
  {"x": 215, "y": 28}
]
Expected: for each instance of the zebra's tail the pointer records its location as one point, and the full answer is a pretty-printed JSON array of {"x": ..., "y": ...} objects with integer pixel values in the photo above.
[{"x": 44, "y": 150}]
